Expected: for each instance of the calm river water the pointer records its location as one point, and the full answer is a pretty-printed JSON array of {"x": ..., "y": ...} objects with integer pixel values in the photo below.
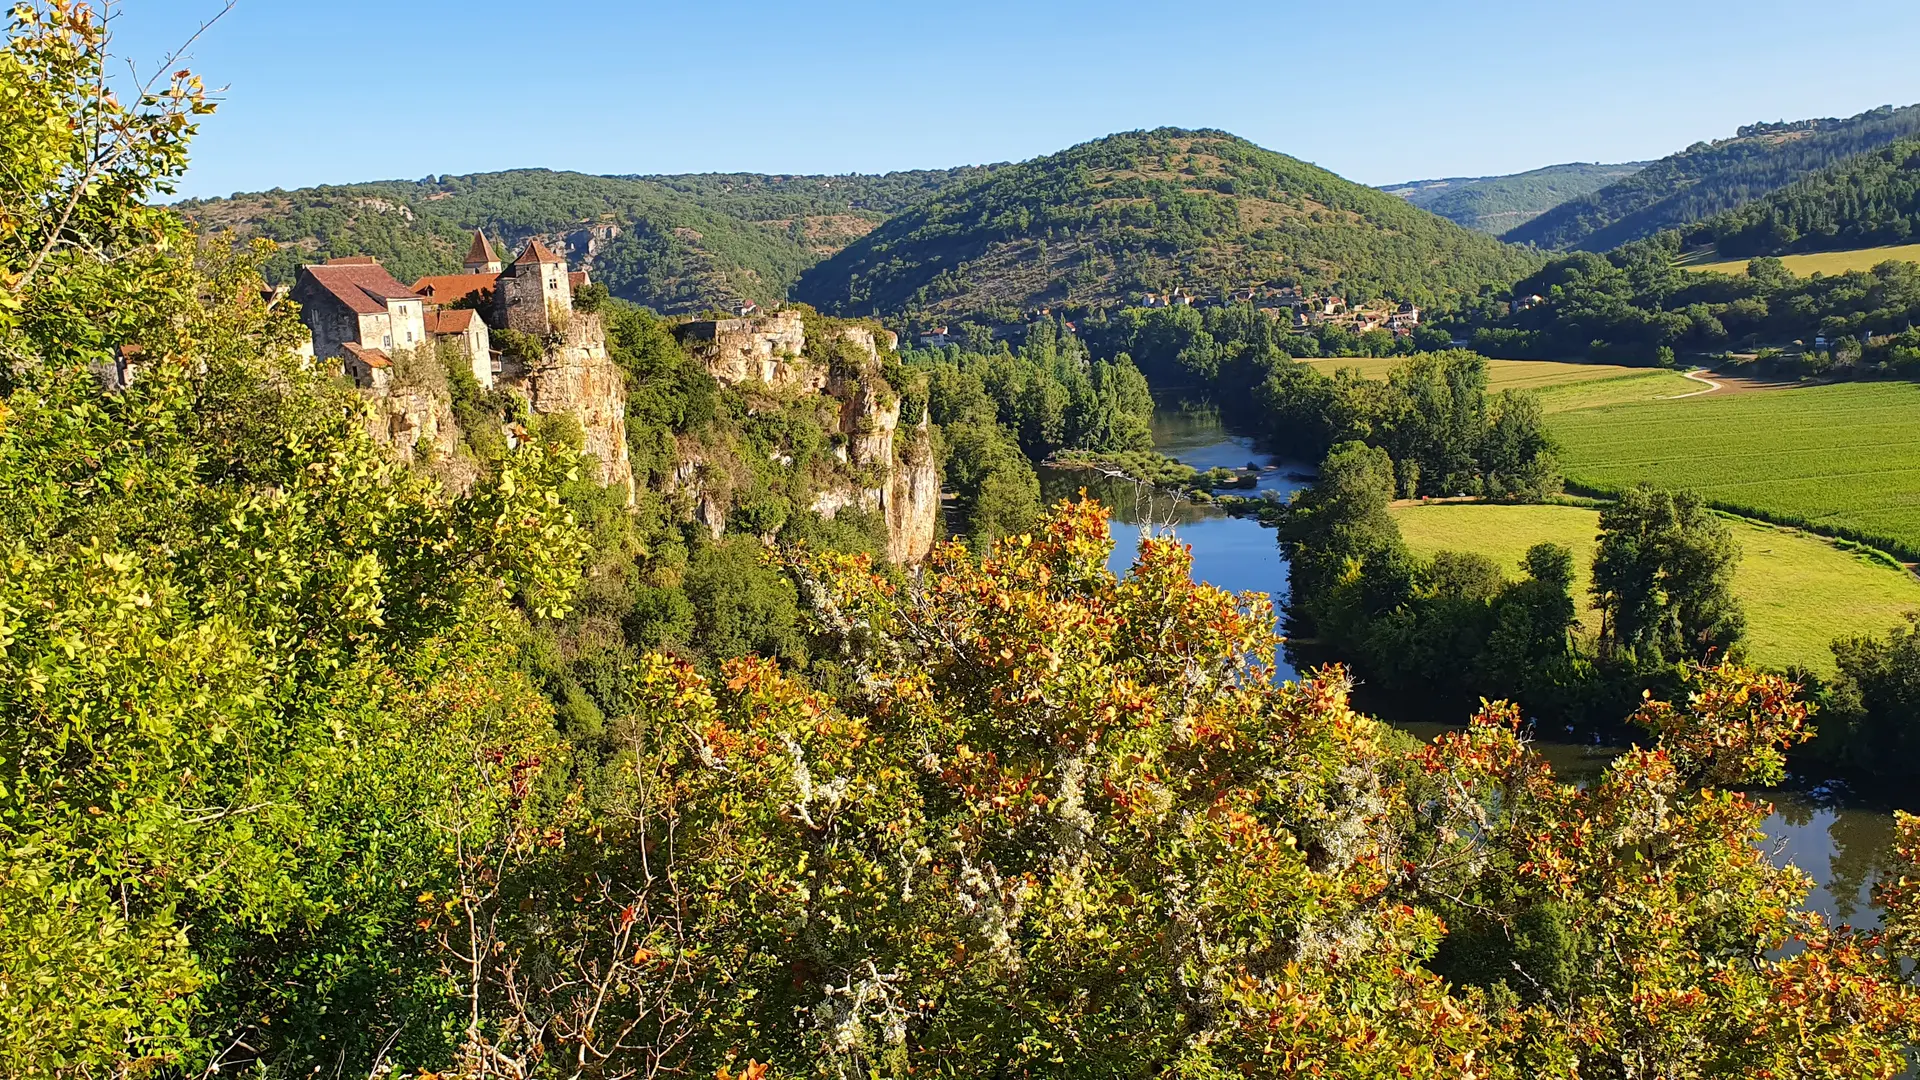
[{"x": 1843, "y": 847}]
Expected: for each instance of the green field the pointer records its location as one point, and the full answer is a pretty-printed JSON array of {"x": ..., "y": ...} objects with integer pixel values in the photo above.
[
  {"x": 1799, "y": 591},
  {"x": 1842, "y": 458},
  {"x": 1561, "y": 385},
  {"x": 1825, "y": 262}
]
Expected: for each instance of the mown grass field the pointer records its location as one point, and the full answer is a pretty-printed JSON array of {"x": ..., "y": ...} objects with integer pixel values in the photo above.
[
  {"x": 1825, "y": 262},
  {"x": 1561, "y": 385},
  {"x": 1799, "y": 591},
  {"x": 1841, "y": 458}
]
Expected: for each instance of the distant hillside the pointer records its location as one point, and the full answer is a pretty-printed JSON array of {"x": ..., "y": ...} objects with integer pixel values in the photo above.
[
  {"x": 1498, "y": 204},
  {"x": 1149, "y": 211},
  {"x": 1710, "y": 178},
  {"x": 1868, "y": 201},
  {"x": 673, "y": 243}
]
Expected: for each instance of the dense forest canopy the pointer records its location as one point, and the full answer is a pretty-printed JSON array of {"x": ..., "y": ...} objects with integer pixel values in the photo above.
[
  {"x": 685, "y": 243},
  {"x": 1708, "y": 178},
  {"x": 1630, "y": 304},
  {"x": 1869, "y": 200},
  {"x": 1102, "y": 222},
  {"x": 1500, "y": 204}
]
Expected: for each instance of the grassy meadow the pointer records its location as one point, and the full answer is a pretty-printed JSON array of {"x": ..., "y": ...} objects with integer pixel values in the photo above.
[
  {"x": 1824, "y": 262},
  {"x": 1842, "y": 458},
  {"x": 1561, "y": 385},
  {"x": 1799, "y": 591}
]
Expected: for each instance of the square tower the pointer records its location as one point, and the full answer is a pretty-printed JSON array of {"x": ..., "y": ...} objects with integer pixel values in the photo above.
[
  {"x": 480, "y": 257},
  {"x": 534, "y": 295}
]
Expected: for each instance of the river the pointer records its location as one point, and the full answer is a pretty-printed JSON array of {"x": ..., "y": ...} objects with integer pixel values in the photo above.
[{"x": 1842, "y": 846}]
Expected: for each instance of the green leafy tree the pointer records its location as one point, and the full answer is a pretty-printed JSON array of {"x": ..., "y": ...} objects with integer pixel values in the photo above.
[{"x": 1663, "y": 575}]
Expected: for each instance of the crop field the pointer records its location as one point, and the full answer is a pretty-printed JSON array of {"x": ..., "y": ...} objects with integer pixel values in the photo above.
[
  {"x": 1825, "y": 262},
  {"x": 1561, "y": 385},
  {"x": 1799, "y": 591},
  {"x": 1841, "y": 458}
]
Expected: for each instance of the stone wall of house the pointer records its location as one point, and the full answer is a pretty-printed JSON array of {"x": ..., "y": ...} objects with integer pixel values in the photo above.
[{"x": 533, "y": 298}]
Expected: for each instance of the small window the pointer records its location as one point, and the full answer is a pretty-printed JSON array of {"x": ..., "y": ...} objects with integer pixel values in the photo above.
[
  {"x": 387, "y": 341},
  {"x": 409, "y": 337}
]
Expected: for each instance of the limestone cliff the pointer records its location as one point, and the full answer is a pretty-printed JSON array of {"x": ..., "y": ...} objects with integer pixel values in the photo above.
[
  {"x": 912, "y": 501},
  {"x": 576, "y": 376},
  {"x": 882, "y": 471}
]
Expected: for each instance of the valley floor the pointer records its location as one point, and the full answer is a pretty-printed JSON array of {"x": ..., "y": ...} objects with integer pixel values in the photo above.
[
  {"x": 1842, "y": 458},
  {"x": 1799, "y": 591}
]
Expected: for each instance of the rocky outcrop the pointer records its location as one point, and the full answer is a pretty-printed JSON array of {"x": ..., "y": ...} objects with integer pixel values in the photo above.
[
  {"x": 912, "y": 501},
  {"x": 415, "y": 421},
  {"x": 769, "y": 349},
  {"x": 885, "y": 472},
  {"x": 576, "y": 376}
]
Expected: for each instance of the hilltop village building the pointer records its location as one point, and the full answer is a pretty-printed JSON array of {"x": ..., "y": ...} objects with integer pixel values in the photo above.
[{"x": 361, "y": 316}]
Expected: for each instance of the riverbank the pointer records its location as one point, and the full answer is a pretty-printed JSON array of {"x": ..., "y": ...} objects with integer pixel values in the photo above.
[{"x": 1842, "y": 842}]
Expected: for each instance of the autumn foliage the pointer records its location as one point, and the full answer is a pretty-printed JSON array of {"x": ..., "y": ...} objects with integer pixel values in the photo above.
[{"x": 1038, "y": 819}]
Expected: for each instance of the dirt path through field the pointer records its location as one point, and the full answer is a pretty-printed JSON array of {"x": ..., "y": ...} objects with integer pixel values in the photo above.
[
  {"x": 1724, "y": 384},
  {"x": 1696, "y": 376}
]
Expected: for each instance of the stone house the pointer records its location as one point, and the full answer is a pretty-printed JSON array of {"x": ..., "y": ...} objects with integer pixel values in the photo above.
[
  {"x": 468, "y": 331},
  {"x": 369, "y": 368},
  {"x": 354, "y": 301},
  {"x": 535, "y": 294}
]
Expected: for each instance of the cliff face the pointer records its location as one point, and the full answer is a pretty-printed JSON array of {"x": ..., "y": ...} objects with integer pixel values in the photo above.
[
  {"x": 769, "y": 349},
  {"x": 892, "y": 475},
  {"x": 912, "y": 500},
  {"x": 576, "y": 376}
]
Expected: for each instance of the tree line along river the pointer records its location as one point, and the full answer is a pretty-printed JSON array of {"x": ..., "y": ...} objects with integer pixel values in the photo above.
[{"x": 1841, "y": 844}]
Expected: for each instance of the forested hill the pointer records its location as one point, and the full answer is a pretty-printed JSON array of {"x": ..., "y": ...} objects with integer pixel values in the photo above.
[
  {"x": 1145, "y": 211},
  {"x": 1498, "y": 204},
  {"x": 678, "y": 243},
  {"x": 1865, "y": 201},
  {"x": 1710, "y": 178}
]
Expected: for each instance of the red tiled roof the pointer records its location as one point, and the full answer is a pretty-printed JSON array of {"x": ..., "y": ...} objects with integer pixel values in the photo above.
[
  {"x": 450, "y": 322},
  {"x": 537, "y": 252},
  {"x": 576, "y": 278},
  {"x": 481, "y": 251},
  {"x": 373, "y": 358},
  {"x": 353, "y": 260},
  {"x": 446, "y": 288},
  {"x": 363, "y": 285}
]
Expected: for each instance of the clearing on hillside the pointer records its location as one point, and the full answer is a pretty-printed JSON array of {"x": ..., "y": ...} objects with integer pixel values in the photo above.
[
  {"x": 1562, "y": 385},
  {"x": 1825, "y": 262},
  {"x": 1799, "y": 591},
  {"x": 1842, "y": 458}
]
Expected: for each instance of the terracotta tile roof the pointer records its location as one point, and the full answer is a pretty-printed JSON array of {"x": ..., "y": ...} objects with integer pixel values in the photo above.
[
  {"x": 446, "y": 288},
  {"x": 576, "y": 278},
  {"x": 450, "y": 322},
  {"x": 373, "y": 358},
  {"x": 481, "y": 251},
  {"x": 363, "y": 285},
  {"x": 353, "y": 260},
  {"x": 537, "y": 252}
]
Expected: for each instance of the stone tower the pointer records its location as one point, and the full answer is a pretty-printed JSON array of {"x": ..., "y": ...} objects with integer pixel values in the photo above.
[
  {"x": 534, "y": 295},
  {"x": 480, "y": 257}
]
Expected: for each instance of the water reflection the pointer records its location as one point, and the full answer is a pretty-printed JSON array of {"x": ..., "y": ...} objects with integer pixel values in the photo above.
[
  {"x": 1236, "y": 554},
  {"x": 1844, "y": 848}
]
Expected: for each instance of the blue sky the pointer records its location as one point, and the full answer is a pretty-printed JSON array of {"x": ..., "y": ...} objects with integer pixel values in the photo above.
[{"x": 346, "y": 90}]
